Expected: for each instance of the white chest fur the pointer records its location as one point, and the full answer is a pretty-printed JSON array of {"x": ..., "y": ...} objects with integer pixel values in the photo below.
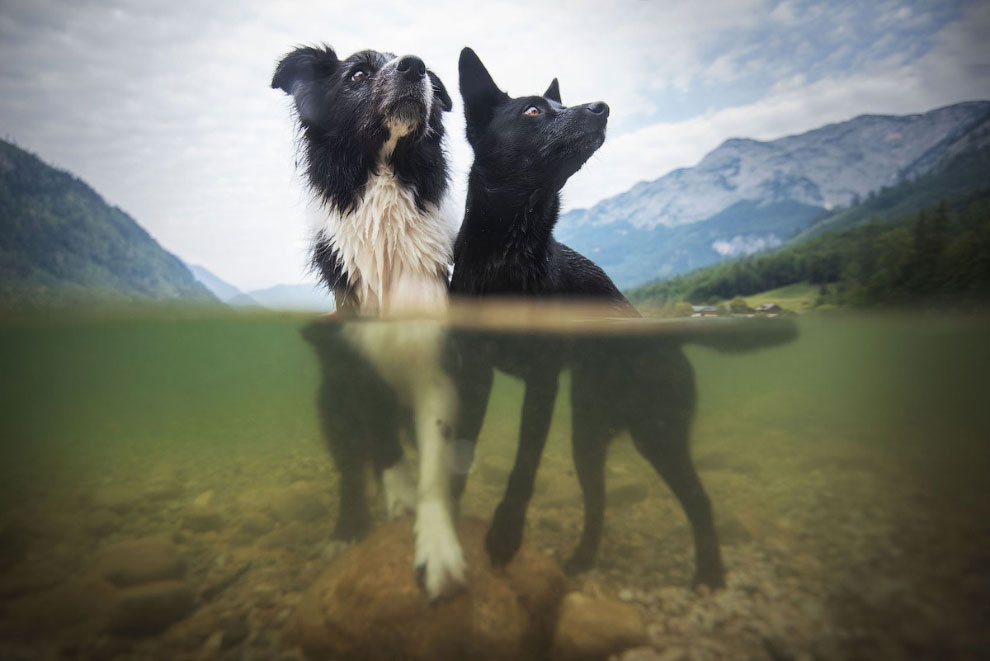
[{"x": 394, "y": 253}]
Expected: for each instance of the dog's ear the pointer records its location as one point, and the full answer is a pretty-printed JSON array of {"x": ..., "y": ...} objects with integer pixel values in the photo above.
[
  {"x": 553, "y": 92},
  {"x": 440, "y": 92},
  {"x": 479, "y": 91},
  {"x": 299, "y": 74}
]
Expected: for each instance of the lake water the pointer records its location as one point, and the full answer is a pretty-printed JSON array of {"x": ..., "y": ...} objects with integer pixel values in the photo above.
[{"x": 847, "y": 470}]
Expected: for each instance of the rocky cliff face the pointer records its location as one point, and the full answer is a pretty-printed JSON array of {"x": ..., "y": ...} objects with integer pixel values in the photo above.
[{"x": 787, "y": 183}]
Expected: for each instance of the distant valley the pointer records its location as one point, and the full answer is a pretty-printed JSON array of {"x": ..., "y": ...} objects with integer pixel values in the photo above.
[{"x": 302, "y": 297}]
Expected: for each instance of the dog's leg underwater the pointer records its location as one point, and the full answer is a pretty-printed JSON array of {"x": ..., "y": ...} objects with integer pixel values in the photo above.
[
  {"x": 399, "y": 484},
  {"x": 661, "y": 432},
  {"x": 473, "y": 375},
  {"x": 506, "y": 532},
  {"x": 439, "y": 560},
  {"x": 589, "y": 437}
]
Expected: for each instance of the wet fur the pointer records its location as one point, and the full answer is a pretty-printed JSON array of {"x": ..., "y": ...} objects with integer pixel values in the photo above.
[
  {"x": 506, "y": 248},
  {"x": 372, "y": 153}
]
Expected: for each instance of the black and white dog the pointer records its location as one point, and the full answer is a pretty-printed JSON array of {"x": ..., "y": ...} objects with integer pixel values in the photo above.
[
  {"x": 525, "y": 150},
  {"x": 371, "y": 136}
]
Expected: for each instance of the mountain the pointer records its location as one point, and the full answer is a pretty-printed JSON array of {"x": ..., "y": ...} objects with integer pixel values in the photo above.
[
  {"x": 308, "y": 297},
  {"x": 217, "y": 286},
  {"x": 923, "y": 241},
  {"x": 305, "y": 297},
  {"x": 62, "y": 243},
  {"x": 747, "y": 196}
]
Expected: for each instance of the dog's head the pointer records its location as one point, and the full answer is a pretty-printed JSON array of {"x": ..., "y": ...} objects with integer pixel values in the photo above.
[
  {"x": 372, "y": 108},
  {"x": 367, "y": 92},
  {"x": 529, "y": 139}
]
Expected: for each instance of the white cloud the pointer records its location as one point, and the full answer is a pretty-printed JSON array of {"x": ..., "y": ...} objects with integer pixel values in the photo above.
[
  {"x": 957, "y": 69},
  {"x": 745, "y": 245}
]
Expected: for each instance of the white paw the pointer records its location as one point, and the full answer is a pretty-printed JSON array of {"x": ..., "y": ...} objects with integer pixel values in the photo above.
[
  {"x": 439, "y": 561},
  {"x": 400, "y": 490}
]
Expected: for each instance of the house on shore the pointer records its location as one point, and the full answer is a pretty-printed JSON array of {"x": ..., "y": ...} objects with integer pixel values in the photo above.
[
  {"x": 769, "y": 309},
  {"x": 704, "y": 311}
]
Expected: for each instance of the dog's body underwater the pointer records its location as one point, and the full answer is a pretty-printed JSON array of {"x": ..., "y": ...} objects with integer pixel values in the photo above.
[
  {"x": 370, "y": 137},
  {"x": 525, "y": 150}
]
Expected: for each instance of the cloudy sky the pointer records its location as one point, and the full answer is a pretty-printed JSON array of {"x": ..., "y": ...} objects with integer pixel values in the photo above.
[{"x": 164, "y": 107}]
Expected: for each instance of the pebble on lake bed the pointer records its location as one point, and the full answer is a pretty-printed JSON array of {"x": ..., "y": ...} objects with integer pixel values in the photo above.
[
  {"x": 141, "y": 561},
  {"x": 594, "y": 628}
]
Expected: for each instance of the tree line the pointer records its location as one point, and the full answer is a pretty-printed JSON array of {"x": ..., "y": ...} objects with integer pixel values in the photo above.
[{"x": 939, "y": 254}]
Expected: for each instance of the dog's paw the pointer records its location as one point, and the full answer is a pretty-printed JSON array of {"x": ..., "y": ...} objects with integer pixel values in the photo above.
[
  {"x": 579, "y": 563},
  {"x": 504, "y": 538},
  {"x": 351, "y": 527},
  {"x": 713, "y": 579},
  {"x": 440, "y": 566},
  {"x": 400, "y": 490}
]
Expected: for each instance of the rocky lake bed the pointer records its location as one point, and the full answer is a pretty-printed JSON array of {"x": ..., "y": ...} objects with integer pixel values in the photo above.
[
  {"x": 829, "y": 552},
  {"x": 165, "y": 494}
]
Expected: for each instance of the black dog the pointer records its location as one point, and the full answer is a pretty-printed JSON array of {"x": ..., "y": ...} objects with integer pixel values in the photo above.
[
  {"x": 371, "y": 132},
  {"x": 525, "y": 150}
]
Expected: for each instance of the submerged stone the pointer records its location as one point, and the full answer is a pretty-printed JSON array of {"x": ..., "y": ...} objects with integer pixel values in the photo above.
[
  {"x": 627, "y": 494},
  {"x": 141, "y": 561},
  {"x": 148, "y": 609},
  {"x": 593, "y": 628},
  {"x": 368, "y": 605},
  {"x": 300, "y": 501}
]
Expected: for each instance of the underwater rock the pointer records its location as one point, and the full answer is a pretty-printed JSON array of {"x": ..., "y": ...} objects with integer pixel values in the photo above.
[
  {"x": 203, "y": 521},
  {"x": 163, "y": 483},
  {"x": 594, "y": 628},
  {"x": 102, "y": 522},
  {"x": 255, "y": 524},
  {"x": 300, "y": 501},
  {"x": 158, "y": 491},
  {"x": 119, "y": 498},
  {"x": 203, "y": 515},
  {"x": 141, "y": 561},
  {"x": 222, "y": 578},
  {"x": 367, "y": 603},
  {"x": 149, "y": 608},
  {"x": 235, "y": 628},
  {"x": 626, "y": 494},
  {"x": 77, "y": 607}
]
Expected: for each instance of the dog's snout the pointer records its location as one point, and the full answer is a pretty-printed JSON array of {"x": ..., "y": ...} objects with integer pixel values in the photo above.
[
  {"x": 411, "y": 67},
  {"x": 598, "y": 108}
]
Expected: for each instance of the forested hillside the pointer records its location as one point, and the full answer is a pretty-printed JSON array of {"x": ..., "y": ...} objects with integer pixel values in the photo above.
[
  {"x": 941, "y": 253},
  {"x": 61, "y": 243}
]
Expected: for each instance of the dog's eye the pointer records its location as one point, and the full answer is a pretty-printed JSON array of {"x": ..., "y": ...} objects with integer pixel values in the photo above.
[
  {"x": 533, "y": 111},
  {"x": 358, "y": 75}
]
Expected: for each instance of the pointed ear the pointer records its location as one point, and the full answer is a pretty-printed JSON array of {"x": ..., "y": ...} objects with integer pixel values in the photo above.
[
  {"x": 440, "y": 92},
  {"x": 479, "y": 91},
  {"x": 553, "y": 92},
  {"x": 299, "y": 74}
]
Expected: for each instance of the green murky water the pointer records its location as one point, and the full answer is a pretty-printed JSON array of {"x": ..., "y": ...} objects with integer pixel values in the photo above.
[{"x": 848, "y": 473}]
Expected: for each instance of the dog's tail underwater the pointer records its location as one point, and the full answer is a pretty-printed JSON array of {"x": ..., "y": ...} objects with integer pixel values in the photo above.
[{"x": 734, "y": 335}]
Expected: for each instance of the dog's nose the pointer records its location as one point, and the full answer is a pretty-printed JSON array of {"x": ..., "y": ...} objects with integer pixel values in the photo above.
[
  {"x": 598, "y": 108},
  {"x": 411, "y": 68}
]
